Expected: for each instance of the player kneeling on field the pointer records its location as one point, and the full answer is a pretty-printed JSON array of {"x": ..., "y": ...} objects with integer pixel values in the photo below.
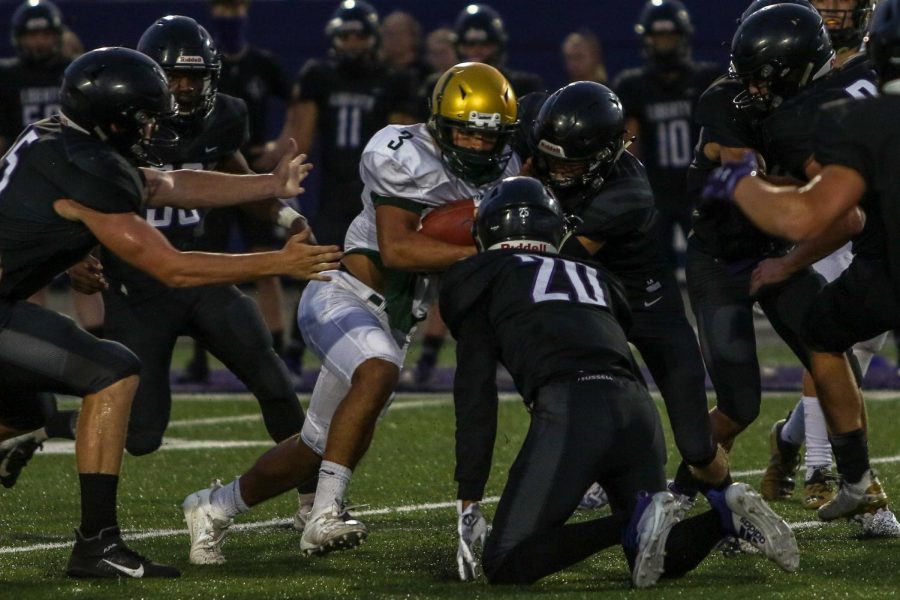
[{"x": 592, "y": 418}]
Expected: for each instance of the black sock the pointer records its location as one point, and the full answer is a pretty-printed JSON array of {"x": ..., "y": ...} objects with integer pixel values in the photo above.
[
  {"x": 278, "y": 341},
  {"x": 97, "y": 331},
  {"x": 690, "y": 541},
  {"x": 98, "y": 502},
  {"x": 62, "y": 424},
  {"x": 550, "y": 551},
  {"x": 431, "y": 347},
  {"x": 200, "y": 361},
  {"x": 684, "y": 480},
  {"x": 851, "y": 453}
]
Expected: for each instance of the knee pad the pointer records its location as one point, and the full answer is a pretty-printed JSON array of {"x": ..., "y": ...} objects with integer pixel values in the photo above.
[
  {"x": 314, "y": 435},
  {"x": 108, "y": 363}
]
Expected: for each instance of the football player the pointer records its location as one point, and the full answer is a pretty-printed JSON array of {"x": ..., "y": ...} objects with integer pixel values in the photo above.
[
  {"x": 659, "y": 100},
  {"x": 578, "y": 145},
  {"x": 359, "y": 323},
  {"x": 725, "y": 247},
  {"x": 111, "y": 101},
  {"x": 147, "y": 316},
  {"x": 591, "y": 416},
  {"x": 855, "y": 173},
  {"x": 788, "y": 135}
]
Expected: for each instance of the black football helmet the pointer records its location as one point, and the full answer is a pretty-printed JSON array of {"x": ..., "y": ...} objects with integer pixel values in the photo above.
[
  {"x": 519, "y": 213},
  {"x": 883, "y": 41},
  {"x": 181, "y": 46},
  {"x": 353, "y": 17},
  {"x": 760, "y": 4},
  {"x": 661, "y": 17},
  {"x": 118, "y": 95},
  {"x": 481, "y": 24},
  {"x": 779, "y": 50},
  {"x": 847, "y": 27},
  {"x": 36, "y": 15},
  {"x": 576, "y": 139}
]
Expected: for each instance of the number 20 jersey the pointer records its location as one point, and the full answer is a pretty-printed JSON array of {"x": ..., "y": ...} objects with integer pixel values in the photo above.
[
  {"x": 552, "y": 317},
  {"x": 401, "y": 166}
]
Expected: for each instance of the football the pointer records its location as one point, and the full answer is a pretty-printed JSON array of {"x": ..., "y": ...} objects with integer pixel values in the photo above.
[{"x": 451, "y": 223}]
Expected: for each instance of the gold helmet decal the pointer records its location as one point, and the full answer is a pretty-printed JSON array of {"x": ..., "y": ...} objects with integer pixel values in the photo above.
[{"x": 474, "y": 98}]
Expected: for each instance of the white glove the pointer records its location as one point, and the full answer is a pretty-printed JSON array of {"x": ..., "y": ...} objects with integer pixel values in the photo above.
[{"x": 471, "y": 528}]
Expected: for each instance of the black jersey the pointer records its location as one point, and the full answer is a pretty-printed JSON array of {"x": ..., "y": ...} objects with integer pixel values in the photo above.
[
  {"x": 352, "y": 106},
  {"x": 542, "y": 316},
  {"x": 254, "y": 76},
  {"x": 28, "y": 94},
  {"x": 788, "y": 133},
  {"x": 623, "y": 217},
  {"x": 863, "y": 135},
  {"x": 664, "y": 108},
  {"x": 201, "y": 147},
  {"x": 720, "y": 228},
  {"x": 48, "y": 162}
]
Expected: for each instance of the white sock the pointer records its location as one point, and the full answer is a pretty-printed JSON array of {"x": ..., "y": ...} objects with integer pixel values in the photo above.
[
  {"x": 307, "y": 500},
  {"x": 792, "y": 432},
  {"x": 818, "y": 448},
  {"x": 228, "y": 500},
  {"x": 333, "y": 480}
]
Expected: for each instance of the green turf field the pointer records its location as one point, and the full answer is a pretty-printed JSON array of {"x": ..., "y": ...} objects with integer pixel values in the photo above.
[{"x": 407, "y": 481}]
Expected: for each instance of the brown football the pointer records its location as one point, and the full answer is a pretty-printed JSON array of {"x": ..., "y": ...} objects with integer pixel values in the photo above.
[{"x": 451, "y": 223}]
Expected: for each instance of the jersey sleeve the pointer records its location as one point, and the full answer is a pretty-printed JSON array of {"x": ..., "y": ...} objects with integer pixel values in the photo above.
[
  {"x": 279, "y": 84},
  {"x": 626, "y": 88},
  {"x": 623, "y": 206},
  {"x": 475, "y": 401},
  {"x": 312, "y": 82},
  {"x": 234, "y": 126},
  {"x": 725, "y": 124},
  {"x": 837, "y": 141},
  {"x": 109, "y": 188},
  {"x": 394, "y": 172}
]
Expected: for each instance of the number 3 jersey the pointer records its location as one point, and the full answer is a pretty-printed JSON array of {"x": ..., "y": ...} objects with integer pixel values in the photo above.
[
  {"x": 201, "y": 146},
  {"x": 401, "y": 166},
  {"x": 544, "y": 317}
]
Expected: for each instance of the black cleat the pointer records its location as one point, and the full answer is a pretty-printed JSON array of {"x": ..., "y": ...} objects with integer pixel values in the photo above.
[
  {"x": 14, "y": 455},
  {"x": 106, "y": 556}
]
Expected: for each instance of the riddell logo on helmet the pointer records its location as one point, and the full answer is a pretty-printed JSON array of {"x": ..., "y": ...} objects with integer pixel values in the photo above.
[
  {"x": 190, "y": 60},
  {"x": 551, "y": 149},
  {"x": 525, "y": 245}
]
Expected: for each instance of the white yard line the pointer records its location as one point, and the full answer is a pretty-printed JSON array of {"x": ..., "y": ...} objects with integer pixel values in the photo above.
[{"x": 256, "y": 525}]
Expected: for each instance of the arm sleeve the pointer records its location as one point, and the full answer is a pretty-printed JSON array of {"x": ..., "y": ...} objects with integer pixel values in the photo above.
[{"x": 475, "y": 402}]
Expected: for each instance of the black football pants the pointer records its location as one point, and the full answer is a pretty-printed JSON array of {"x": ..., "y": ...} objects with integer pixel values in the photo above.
[
  {"x": 44, "y": 352},
  {"x": 228, "y": 323}
]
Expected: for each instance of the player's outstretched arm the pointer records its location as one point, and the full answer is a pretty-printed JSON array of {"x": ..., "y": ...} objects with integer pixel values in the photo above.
[
  {"x": 140, "y": 244},
  {"x": 209, "y": 189}
]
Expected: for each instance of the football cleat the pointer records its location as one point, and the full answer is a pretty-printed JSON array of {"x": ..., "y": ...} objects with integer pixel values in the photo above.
[
  {"x": 207, "y": 527},
  {"x": 819, "y": 488},
  {"x": 332, "y": 530},
  {"x": 880, "y": 524},
  {"x": 784, "y": 460},
  {"x": 851, "y": 499},
  {"x": 746, "y": 516},
  {"x": 594, "y": 497},
  {"x": 106, "y": 556},
  {"x": 683, "y": 498},
  {"x": 15, "y": 454},
  {"x": 646, "y": 534}
]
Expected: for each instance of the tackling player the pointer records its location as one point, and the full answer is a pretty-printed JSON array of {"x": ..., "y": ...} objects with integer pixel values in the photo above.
[
  {"x": 67, "y": 183},
  {"x": 359, "y": 323},
  {"x": 591, "y": 416},
  {"x": 856, "y": 173}
]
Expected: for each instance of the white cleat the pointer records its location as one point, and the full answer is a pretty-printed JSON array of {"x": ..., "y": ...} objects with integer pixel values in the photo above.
[
  {"x": 206, "y": 526},
  {"x": 655, "y": 517},
  {"x": 755, "y": 522},
  {"x": 332, "y": 530},
  {"x": 301, "y": 517}
]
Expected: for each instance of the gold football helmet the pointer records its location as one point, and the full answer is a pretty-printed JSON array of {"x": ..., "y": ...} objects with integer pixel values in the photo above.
[{"x": 474, "y": 99}]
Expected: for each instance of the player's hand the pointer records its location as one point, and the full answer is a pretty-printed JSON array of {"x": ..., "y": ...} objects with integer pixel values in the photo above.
[
  {"x": 87, "y": 276},
  {"x": 306, "y": 261},
  {"x": 471, "y": 527},
  {"x": 722, "y": 181},
  {"x": 769, "y": 272},
  {"x": 290, "y": 172},
  {"x": 527, "y": 168}
]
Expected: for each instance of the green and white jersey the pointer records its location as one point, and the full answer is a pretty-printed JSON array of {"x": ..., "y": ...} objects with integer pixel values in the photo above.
[{"x": 401, "y": 166}]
